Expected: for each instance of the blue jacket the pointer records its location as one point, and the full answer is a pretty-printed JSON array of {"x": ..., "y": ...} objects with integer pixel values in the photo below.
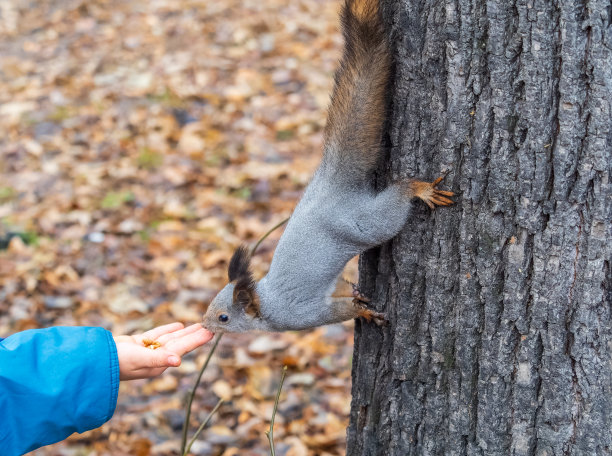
[{"x": 54, "y": 382}]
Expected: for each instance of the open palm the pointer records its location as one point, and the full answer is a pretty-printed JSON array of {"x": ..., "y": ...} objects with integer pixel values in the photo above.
[{"x": 138, "y": 361}]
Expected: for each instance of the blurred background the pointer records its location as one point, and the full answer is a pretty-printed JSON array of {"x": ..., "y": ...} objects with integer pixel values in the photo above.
[{"x": 141, "y": 142}]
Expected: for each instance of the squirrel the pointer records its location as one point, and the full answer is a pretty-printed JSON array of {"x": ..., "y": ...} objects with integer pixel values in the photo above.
[{"x": 340, "y": 215}]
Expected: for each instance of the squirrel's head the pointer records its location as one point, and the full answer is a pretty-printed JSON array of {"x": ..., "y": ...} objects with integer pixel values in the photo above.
[{"x": 236, "y": 307}]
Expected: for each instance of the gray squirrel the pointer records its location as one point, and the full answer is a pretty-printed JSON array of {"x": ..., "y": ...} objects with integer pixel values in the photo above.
[{"x": 340, "y": 214}]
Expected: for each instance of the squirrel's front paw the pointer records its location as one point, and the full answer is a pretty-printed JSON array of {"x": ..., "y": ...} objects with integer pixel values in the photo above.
[
  {"x": 358, "y": 297},
  {"x": 371, "y": 315}
]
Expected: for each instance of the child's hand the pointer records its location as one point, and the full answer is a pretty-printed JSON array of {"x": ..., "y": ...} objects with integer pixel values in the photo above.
[{"x": 138, "y": 361}]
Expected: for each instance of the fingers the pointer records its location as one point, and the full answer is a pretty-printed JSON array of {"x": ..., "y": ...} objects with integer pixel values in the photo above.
[
  {"x": 165, "y": 338},
  {"x": 160, "y": 330},
  {"x": 160, "y": 358},
  {"x": 136, "y": 361},
  {"x": 189, "y": 341}
]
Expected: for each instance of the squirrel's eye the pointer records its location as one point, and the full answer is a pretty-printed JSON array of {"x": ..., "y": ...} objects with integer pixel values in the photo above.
[{"x": 223, "y": 318}]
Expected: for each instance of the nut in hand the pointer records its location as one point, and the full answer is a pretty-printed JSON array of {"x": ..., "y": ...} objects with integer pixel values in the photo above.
[{"x": 152, "y": 344}]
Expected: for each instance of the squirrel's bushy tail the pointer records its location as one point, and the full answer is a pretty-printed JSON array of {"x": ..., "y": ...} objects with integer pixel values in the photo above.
[{"x": 358, "y": 103}]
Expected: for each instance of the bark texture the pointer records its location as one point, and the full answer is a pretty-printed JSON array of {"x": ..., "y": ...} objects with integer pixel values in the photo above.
[{"x": 500, "y": 339}]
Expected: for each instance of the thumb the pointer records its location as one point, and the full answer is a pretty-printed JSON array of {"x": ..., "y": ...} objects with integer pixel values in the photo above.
[{"x": 163, "y": 358}]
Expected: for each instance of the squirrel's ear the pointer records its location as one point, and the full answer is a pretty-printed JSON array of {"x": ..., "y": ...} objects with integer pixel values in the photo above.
[
  {"x": 246, "y": 297},
  {"x": 240, "y": 273}
]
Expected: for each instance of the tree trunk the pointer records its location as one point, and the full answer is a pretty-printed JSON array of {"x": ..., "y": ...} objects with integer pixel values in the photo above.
[{"x": 499, "y": 339}]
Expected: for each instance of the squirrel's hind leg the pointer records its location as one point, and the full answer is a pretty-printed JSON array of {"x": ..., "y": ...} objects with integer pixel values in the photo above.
[
  {"x": 368, "y": 220},
  {"x": 376, "y": 218}
]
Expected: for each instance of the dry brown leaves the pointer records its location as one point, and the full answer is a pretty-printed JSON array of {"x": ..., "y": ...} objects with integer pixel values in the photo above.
[{"x": 141, "y": 142}]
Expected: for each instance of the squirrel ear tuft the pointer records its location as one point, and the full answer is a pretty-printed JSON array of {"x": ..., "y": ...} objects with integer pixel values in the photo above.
[{"x": 240, "y": 264}]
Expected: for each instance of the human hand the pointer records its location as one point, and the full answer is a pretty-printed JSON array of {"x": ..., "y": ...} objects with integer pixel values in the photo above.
[{"x": 138, "y": 361}]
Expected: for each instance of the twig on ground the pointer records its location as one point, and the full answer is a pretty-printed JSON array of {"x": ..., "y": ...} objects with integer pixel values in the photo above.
[
  {"x": 192, "y": 394},
  {"x": 270, "y": 432},
  {"x": 195, "y": 436},
  {"x": 193, "y": 390},
  {"x": 263, "y": 238}
]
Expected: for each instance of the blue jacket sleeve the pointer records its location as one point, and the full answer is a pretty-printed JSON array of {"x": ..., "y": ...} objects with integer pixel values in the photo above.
[{"x": 54, "y": 382}]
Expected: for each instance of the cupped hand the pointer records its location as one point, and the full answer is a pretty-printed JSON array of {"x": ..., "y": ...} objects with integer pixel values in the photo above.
[{"x": 138, "y": 361}]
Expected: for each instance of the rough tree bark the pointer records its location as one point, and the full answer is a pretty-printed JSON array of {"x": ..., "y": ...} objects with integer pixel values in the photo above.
[{"x": 500, "y": 338}]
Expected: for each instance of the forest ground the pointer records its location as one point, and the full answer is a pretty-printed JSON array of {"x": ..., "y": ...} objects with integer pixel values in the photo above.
[{"x": 141, "y": 143}]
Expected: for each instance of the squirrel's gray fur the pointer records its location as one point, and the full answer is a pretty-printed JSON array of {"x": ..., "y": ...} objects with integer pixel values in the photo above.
[{"x": 340, "y": 214}]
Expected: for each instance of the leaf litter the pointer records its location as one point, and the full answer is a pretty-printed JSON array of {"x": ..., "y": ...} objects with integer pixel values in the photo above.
[{"x": 141, "y": 143}]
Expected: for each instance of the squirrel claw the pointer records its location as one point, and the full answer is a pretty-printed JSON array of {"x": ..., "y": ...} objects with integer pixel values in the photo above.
[
  {"x": 371, "y": 315},
  {"x": 380, "y": 319},
  {"x": 360, "y": 298},
  {"x": 431, "y": 195}
]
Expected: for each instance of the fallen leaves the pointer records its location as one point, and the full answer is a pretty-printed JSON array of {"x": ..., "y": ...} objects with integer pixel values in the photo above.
[{"x": 142, "y": 143}]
